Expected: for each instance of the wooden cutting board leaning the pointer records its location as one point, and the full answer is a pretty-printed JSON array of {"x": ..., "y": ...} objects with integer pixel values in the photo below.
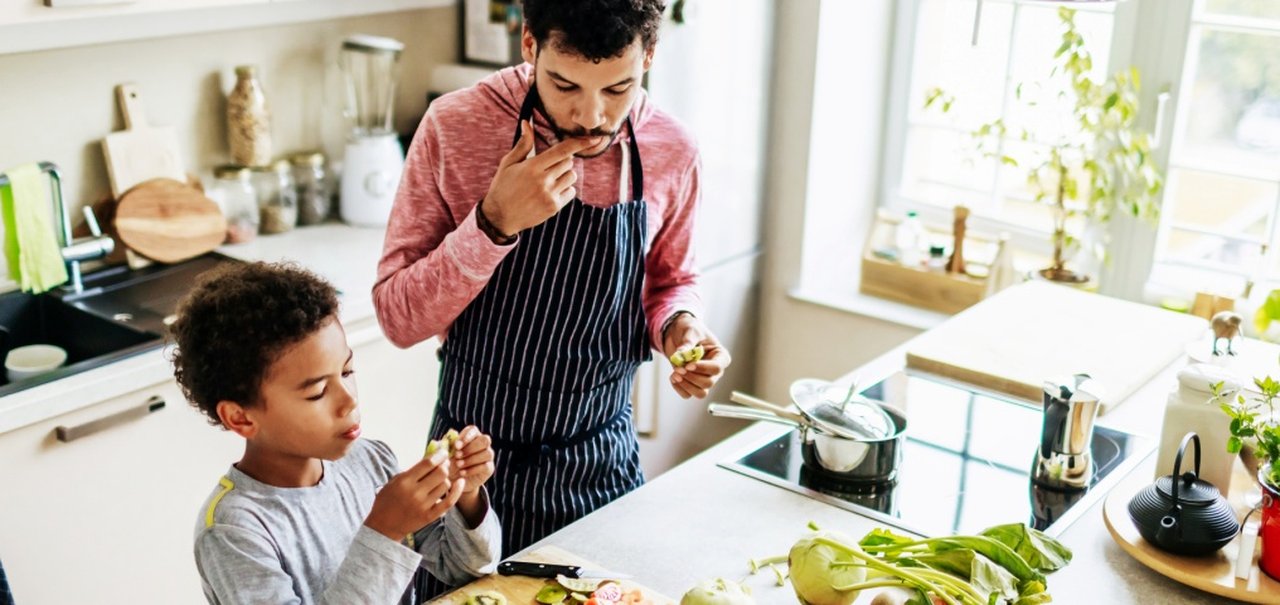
[
  {"x": 520, "y": 590},
  {"x": 1014, "y": 341},
  {"x": 140, "y": 152},
  {"x": 169, "y": 221}
]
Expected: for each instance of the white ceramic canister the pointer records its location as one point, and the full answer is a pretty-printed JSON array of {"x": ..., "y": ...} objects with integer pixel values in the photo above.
[{"x": 1189, "y": 410}]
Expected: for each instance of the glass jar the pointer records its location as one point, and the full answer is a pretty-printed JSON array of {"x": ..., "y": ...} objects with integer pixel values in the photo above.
[
  {"x": 233, "y": 192},
  {"x": 311, "y": 177},
  {"x": 277, "y": 197},
  {"x": 248, "y": 120}
]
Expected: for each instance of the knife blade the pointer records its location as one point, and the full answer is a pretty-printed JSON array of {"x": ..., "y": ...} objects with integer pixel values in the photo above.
[{"x": 549, "y": 570}]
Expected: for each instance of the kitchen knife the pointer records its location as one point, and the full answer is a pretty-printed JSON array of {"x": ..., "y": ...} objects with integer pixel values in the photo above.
[{"x": 547, "y": 570}]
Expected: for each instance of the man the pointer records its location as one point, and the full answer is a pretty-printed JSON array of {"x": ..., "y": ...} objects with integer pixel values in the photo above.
[{"x": 553, "y": 263}]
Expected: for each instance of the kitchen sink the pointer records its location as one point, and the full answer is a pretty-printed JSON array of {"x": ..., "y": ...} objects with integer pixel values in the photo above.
[
  {"x": 120, "y": 313},
  {"x": 143, "y": 298},
  {"x": 90, "y": 341}
]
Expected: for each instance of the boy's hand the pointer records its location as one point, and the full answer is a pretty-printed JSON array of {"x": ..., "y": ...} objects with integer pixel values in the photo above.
[
  {"x": 415, "y": 498},
  {"x": 473, "y": 459}
]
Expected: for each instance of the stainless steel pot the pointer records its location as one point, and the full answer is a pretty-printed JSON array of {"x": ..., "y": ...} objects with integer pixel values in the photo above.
[{"x": 861, "y": 460}]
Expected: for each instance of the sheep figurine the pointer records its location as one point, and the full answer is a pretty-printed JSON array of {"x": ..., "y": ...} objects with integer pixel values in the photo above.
[{"x": 1226, "y": 324}]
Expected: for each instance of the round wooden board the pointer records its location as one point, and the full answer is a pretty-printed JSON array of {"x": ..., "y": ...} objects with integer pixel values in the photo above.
[
  {"x": 169, "y": 221},
  {"x": 1214, "y": 574}
]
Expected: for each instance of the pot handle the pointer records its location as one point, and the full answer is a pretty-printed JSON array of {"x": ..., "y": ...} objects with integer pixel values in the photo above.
[{"x": 1177, "y": 465}]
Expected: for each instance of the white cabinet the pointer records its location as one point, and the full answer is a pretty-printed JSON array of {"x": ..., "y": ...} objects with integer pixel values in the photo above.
[
  {"x": 109, "y": 517},
  {"x": 28, "y": 25}
]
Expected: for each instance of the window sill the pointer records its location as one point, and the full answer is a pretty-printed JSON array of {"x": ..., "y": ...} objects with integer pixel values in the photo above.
[{"x": 856, "y": 303}]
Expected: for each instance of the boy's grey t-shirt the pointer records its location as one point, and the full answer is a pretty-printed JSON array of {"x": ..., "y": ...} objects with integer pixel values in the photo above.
[{"x": 256, "y": 543}]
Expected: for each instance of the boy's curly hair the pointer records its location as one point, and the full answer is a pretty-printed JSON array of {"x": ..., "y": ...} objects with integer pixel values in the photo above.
[
  {"x": 236, "y": 321},
  {"x": 594, "y": 29}
]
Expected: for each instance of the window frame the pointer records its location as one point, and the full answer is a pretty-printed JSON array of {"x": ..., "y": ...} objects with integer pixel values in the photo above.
[{"x": 1151, "y": 35}]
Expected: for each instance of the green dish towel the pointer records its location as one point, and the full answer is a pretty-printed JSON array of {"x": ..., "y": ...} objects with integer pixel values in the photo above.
[{"x": 30, "y": 245}]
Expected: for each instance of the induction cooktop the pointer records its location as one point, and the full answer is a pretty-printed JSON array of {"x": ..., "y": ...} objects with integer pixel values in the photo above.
[{"x": 966, "y": 463}]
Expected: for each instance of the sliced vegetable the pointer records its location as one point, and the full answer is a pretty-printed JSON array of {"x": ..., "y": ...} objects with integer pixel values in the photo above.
[
  {"x": 578, "y": 584},
  {"x": 551, "y": 594},
  {"x": 690, "y": 355},
  {"x": 449, "y": 441},
  {"x": 487, "y": 597}
]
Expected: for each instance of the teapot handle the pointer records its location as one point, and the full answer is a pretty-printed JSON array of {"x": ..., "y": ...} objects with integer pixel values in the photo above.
[{"x": 1177, "y": 463}]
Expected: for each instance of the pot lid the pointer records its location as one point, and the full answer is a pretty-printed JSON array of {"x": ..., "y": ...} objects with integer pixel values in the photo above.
[
  {"x": 1198, "y": 491},
  {"x": 1201, "y": 377},
  {"x": 840, "y": 410}
]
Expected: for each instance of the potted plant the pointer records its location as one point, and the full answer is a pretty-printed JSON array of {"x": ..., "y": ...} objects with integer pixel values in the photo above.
[
  {"x": 1102, "y": 161},
  {"x": 1255, "y": 434}
]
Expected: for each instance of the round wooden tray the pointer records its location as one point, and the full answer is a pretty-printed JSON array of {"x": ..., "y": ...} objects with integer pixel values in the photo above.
[{"x": 1214, "y": 573}]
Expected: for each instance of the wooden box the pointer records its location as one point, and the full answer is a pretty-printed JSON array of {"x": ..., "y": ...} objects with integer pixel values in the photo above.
[{"x": 930, "y": 289}]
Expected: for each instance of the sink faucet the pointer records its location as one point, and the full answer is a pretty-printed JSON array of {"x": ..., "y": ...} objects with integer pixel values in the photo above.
[{"x": 73, "y": 251}]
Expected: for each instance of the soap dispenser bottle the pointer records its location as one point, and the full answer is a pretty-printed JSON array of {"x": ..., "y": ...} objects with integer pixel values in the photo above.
[{"x": 1190, "y": 410}]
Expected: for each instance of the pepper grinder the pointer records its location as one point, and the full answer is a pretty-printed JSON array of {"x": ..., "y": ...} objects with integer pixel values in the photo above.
[{"x": 956, "y": 264}]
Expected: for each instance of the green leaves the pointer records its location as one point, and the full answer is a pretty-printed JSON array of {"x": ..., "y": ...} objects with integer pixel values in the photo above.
[{"x": 1036, "y": 548}]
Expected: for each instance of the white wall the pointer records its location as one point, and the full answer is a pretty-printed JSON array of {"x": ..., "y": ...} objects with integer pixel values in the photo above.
[
  {"x": 831, "y": 83},
  {"x": 58, "y": 104}
]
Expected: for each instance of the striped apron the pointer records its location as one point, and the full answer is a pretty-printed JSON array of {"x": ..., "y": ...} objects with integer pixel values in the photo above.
[{"x": 543, "y": 361}]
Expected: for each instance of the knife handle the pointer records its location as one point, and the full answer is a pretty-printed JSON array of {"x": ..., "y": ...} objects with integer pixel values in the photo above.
[{"x": 537, "y": 570}]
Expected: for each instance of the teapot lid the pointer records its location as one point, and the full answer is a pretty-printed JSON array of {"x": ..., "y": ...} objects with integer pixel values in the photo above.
[{"x": 1198, "y": 491}]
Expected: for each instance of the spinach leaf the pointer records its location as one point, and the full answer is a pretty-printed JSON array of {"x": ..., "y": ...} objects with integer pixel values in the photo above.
[{"x": 1039, "y": 551}]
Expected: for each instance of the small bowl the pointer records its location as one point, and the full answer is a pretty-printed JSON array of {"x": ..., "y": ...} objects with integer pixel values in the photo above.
[{"x": 33, "y": 360}]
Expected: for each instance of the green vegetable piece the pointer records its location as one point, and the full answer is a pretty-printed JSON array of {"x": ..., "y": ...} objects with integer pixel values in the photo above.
[
  {"x": 579, "y": 597},
  {"x": 487, "y": 597},
  {"x": 1041, "y": 552},
  {"x": 578, "y": 584},
  {"x": 819, "y": 571},
  {"x": 551, "y": 594},
  {"x": 677, "y": 359},
  {"x": 718, "y": 592},
  {"x": 695, "y": 354},
  {"x": 432, "y": 447}
]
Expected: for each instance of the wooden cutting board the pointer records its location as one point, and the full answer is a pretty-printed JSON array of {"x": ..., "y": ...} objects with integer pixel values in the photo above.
[
  {"x": 169, "y": 221},
  {"x": 1014, "y": 341},
  {"x": 520, "y": 590},
  {"x": 140, "y": 152}
]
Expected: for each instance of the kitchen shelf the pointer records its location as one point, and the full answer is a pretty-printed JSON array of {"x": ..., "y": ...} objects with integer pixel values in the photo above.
[{"x": 38, "y": 28}]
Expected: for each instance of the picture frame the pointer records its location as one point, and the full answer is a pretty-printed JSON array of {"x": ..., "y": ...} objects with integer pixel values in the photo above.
[{"x": 490, "y": 32}]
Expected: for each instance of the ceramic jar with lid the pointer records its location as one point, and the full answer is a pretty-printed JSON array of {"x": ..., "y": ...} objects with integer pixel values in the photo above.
[{"x": 1189, "y": 410}]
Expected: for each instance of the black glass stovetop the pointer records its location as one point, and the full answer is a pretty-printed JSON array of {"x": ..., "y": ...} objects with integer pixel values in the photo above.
[{"x": 966, "y": 463}]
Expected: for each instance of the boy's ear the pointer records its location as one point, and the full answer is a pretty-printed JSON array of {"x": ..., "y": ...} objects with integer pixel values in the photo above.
[{"x": 236, "y": 418}]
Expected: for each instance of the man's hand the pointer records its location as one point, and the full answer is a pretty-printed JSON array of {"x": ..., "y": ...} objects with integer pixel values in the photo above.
[
  {"x": 695, "y": 378},
  {"x": 526, "y": 192},
  {"x": 413, "y": 499}
]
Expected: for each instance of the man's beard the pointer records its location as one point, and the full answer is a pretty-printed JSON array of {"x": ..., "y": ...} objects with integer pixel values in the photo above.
[{"x": 577, "y": 133}]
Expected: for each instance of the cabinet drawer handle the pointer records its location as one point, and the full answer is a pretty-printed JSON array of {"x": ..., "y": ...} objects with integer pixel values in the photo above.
[{"x": 68, "y": 434}]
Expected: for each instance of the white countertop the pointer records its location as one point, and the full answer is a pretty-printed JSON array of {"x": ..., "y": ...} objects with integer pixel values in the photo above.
[{"x": 346, "y": 256}]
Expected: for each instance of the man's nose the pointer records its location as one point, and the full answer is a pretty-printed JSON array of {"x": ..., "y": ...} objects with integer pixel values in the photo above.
[{"x": 589, "y": 114}]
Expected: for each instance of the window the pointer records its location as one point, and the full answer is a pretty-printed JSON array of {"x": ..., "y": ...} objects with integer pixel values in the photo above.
[
  {"x": 1220, "y": 151},
  {"x": 990, "y": 79},
  {"x": 1222, "y": 197}
]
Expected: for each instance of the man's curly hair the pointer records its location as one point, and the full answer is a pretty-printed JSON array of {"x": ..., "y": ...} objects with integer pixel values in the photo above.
[
  {"x": 594, "y": 29},
  {"x": 236, "y": 321}
]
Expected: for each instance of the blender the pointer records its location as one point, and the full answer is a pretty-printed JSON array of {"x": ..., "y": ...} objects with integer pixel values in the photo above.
[{"x": 374, "y": 159}]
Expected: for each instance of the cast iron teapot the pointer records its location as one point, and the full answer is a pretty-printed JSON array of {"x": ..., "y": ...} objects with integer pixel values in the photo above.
[{"x": 1182, "y": 513}]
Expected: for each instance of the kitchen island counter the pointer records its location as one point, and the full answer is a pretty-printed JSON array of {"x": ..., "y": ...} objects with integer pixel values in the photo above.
[{"x": 701, "y": 521}]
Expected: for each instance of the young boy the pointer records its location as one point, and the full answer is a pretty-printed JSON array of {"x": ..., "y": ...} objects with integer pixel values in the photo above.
[{"x": 312, "y": 513}]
